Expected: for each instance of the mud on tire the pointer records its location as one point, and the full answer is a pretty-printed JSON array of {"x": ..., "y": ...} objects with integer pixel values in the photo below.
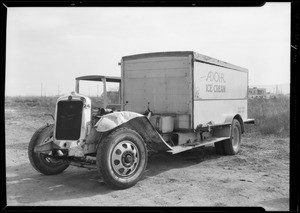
[
  {"x": 41, "y": 163},
  {"x": 122, "y": 158}
]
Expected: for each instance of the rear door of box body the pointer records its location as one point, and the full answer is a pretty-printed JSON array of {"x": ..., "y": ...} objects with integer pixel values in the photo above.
[
  {"x": 218, "y": 92},
  {"x": 164, "y": 81}
]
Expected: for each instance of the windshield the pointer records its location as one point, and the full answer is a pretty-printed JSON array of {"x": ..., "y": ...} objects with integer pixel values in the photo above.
[{"x": 94, "y": 90}]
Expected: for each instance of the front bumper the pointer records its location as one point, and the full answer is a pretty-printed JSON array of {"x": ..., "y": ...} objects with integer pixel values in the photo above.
[
  {"x": 47, "y": 147},
  {"x": 75, "y": 150}
]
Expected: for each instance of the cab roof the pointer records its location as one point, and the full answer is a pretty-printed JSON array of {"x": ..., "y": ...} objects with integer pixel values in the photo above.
[{"x": 99, "y": 78}]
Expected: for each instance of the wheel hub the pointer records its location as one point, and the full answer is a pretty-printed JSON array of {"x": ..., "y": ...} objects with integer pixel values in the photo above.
[
  {"x": 125, "y": 158},
  {"x": 128, "y": 158}
]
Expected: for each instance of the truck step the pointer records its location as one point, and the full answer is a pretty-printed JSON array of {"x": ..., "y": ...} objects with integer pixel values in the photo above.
[{"x": 192, "y": 145}]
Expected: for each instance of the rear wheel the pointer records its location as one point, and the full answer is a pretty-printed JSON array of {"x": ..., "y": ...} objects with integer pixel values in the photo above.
[
  {"x": 122, "y": 158},
  {"x": 42, "y": 163},
  {"x": 232, "y": 145}
]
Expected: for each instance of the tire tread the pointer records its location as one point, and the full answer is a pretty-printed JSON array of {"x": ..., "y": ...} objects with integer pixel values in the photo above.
[{"x": 102, "y": 158}]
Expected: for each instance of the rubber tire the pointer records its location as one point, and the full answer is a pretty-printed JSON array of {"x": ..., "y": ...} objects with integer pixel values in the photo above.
[
  {"x": 103, "y": 158},
  {"x": 226, "y": 147},
  {"x": 37, "y": 160},
  {"x": 228, "y": 144}
]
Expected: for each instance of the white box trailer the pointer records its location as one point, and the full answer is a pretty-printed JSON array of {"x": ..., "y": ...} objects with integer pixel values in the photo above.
[
  {"x": 196, "y": 89},
  {"x": 201, "y": 93}
]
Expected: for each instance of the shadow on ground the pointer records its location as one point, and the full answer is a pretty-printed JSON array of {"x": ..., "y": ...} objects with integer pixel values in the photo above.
[
  {"x": 26, "y": 186},
  {"x": 164, "y": 161}
]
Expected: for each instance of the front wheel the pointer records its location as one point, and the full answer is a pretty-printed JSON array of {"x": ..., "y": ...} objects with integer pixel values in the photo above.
[
  {"x": 42, "y": 163},
  {"x": 122, "y": 158}
]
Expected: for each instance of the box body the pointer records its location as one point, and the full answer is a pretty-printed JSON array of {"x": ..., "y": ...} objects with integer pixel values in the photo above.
[
  {"x": 193, "y": 88},
  {"x": 220, "y": 90}
]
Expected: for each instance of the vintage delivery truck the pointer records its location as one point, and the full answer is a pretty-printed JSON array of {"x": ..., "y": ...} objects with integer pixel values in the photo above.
[{"x": 168, "y": 101}]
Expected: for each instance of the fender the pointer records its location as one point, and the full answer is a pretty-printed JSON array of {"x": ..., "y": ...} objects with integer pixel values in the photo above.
[
  {"x": 224, "y": 130},
  {"x": 115, "y": 119},
  {"x": 229, "y": 119},
  {"x": 135, "y": 121}
]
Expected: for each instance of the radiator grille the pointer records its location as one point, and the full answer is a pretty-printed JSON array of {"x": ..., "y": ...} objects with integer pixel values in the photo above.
[{"x": 68, "y": 120}]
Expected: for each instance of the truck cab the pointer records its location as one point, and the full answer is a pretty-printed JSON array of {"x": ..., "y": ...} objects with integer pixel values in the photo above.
[{"x": 104, "y": 80}]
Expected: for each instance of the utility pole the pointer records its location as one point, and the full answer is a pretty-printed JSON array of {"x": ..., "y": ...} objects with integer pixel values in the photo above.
[
  {"x": 97, "y": 90},
  {"x": 41, "y": 90},
  {"x": 57, "y": 90}
]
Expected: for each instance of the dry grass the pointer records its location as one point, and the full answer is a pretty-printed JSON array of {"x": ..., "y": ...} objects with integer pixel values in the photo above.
[
  {"x": 31, "y": 102},
  {"x": 272, "y": 116},
  {"x": 40, "y": 102}
]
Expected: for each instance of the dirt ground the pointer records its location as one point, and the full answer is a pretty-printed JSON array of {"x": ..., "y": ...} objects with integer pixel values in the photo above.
[{"x": 257, "y": 176}]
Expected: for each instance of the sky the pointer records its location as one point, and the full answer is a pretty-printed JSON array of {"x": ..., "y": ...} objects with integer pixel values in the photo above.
[{"x": 47, "y": 48}]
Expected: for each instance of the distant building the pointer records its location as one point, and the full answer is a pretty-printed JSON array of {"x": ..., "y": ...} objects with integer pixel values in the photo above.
[
  {"x": 270, "y": 95},
  {"x": 268, "y": 91},
  {"x": 255, "y": 92}
]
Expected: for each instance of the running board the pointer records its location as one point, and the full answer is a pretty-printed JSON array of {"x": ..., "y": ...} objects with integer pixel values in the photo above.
[{"x": 192, "y": 145}]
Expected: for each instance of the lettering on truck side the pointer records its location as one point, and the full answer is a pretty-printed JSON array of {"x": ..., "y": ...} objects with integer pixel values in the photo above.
[{"x": 217, "y": 78}]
